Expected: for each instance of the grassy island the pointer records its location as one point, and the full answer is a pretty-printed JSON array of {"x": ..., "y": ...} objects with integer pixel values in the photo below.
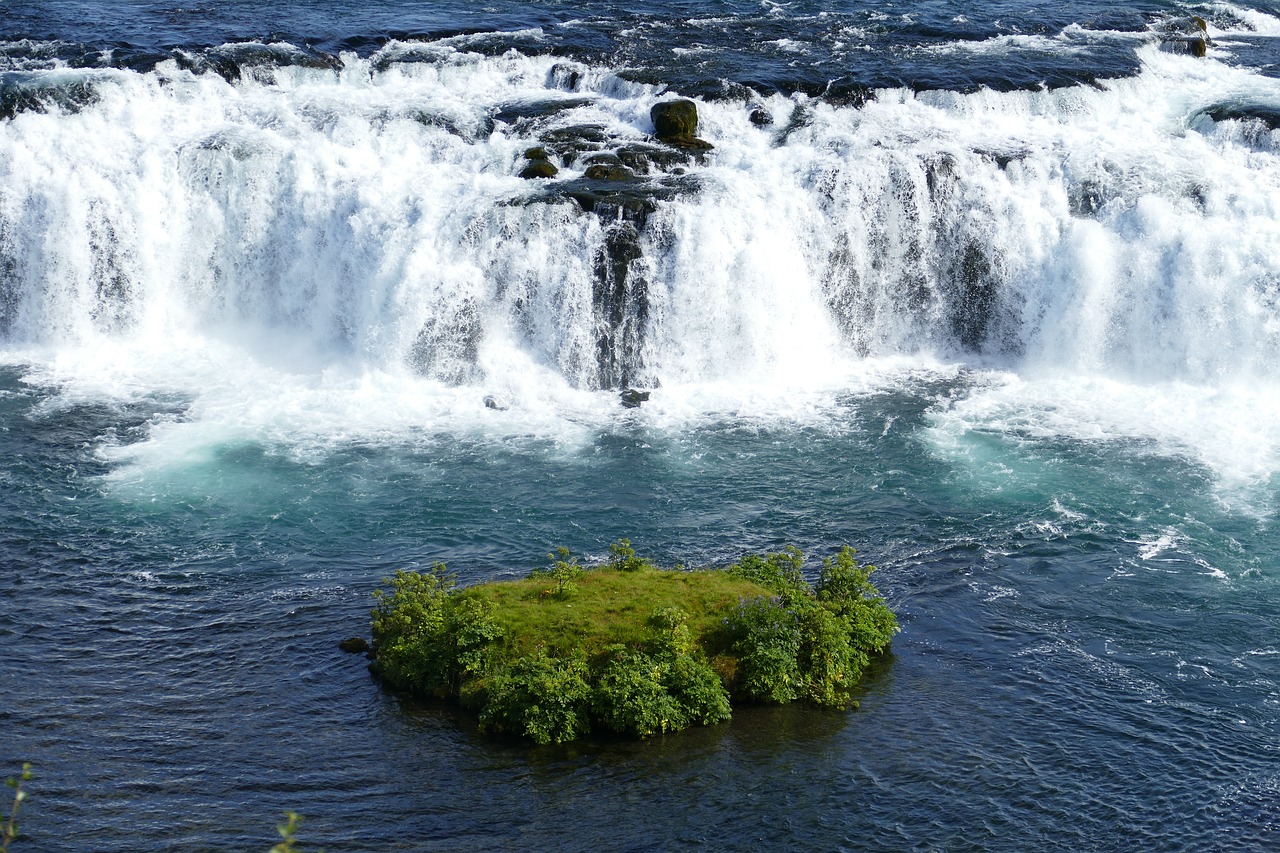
[{"x": 630, "y": 648}]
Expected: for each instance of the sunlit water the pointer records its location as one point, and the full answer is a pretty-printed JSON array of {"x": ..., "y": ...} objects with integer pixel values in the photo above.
[{"x": 1015, "y": 342}]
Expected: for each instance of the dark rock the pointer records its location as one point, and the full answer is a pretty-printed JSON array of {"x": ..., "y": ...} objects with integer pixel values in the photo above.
[
  {"x": 573, "y": 142},
  {"x": 539, "y": 169},
  {"x": 1267, "y": 115},
  {"x": 1188, "y": 35},
  {"x": 644, "y": 157},
  {"x": 631, "y": 200},
  {"x": 609, "y": 172},
  {"x": 689, "y": 143},
  {"x": 20, "y": 93},
  {"x": 566, "y": 76},
  {"x": 608, "y": 158},
  {"x": 631, "y": 398},
  {"x": 676, "y": 123},
  {"x": 524, "y": 112},
  {"x": 800, "y": 117},
  {"x": 492, "y": 402},
  {"x": 354, "y": 645},
  {"x": 537, "y": 153},
  {"x": 759, "y": 116},
  {"x": 674, "y": 119},
  {"x": 620, "y": 298}
]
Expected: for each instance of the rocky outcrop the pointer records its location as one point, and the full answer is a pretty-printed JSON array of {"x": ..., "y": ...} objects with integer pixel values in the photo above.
[{"x": 676, "y": 123}]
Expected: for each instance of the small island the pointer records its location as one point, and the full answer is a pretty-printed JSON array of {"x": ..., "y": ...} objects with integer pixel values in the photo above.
[{"x": 629, "y": 648}]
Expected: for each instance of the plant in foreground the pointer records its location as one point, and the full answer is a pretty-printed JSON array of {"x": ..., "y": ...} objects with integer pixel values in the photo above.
[
  {"x": 10, "y": 829},
  {"x": 9, "y": 826},
  {"x": 287, "y": 843}
]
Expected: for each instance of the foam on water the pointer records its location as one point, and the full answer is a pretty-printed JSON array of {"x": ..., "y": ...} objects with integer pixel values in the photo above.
[{"x": 313, "y": 256}]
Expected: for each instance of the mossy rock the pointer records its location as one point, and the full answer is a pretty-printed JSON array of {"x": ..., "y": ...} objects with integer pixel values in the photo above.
[
  {"x": 539, "y": 169},
  {"x": 676, "y": 124},
  {"x": 675, "y": 119}
]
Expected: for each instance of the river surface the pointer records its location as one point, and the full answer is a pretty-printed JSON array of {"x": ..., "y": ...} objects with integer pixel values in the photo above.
[{"x": 990, "y": 292}]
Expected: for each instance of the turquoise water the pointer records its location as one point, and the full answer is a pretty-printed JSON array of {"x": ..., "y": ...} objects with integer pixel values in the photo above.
[{"x": 1087, "y": 661}]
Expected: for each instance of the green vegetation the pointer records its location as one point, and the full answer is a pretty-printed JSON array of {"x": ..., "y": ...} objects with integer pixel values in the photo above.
[
  {"x": 630, "y": 648},
  {"x": 288, "y": 843},
  {"x": 9, "y": 826}
]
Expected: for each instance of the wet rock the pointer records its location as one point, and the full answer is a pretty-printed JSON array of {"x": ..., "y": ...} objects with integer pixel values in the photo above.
[
  {"x": 674, "y": 119},
  {"x": 253, "y": 61},
  {"x": 1267, "y": 115},
  {"x": 631, "y": 200},
  {"x": 354, "y": 646},
  {"x": 567, "y": 76},
  {"x": 540, "y": 165},
  {"x": 540, "y": 168},
  {"x": 21, "y": 93},
  {"x": 492, "y": 402},
  {"x": 631, "y": 398},
  {"x": 576, "y": 141},
  {"x": 447, "y": 345},
  {"x": 1188, "y": 36},
  {"x": 536, "y": 110},
  {"x": 676, "y": 123},
  {"x": 609, "y": 172},
  {"x": 759, "y": 116},
  {"x": 644, "y": 157}
]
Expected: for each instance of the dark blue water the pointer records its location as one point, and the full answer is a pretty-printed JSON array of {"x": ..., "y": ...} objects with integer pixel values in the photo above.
[
  {"x": 210, "y": 455},
  {"x": 842, "y": 49}
]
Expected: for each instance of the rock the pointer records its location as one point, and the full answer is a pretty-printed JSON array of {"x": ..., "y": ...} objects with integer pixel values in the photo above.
[
  {"x": 1268, "y": 116},
  {"x": 354, "y": 645},
  {"x": 676, "y": 123},
  {"x": 1186, "y": 35},
  {"x": 631, "y": 398},
  {"x": 537, "y": 153},
  {"x": 539, "y": 169},
  {"x": 566, "y": 75},
  {"x": 609, "y": 172},
  {"x": 536, "y": 110},
  {"x": 674, "y": 119},
  {"x": 575, "y": 141},
  {"x": 759, "y": 116},
  {"x": 645, "y": 157},
  {"x": 492, "y": 402}
]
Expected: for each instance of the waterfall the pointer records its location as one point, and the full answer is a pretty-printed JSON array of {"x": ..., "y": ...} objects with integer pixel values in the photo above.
[{"x": 369, "y": 213}]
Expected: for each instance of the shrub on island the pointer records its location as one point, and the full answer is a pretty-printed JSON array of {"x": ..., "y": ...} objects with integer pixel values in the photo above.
[{"x": 630, "y": 648}]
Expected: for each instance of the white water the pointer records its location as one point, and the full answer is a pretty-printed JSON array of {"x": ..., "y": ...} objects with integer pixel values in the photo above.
[{"x": 307, "y": 253}]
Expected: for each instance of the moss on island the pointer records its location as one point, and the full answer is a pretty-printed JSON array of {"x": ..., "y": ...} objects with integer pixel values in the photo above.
[{"x": 630, "y": 648}]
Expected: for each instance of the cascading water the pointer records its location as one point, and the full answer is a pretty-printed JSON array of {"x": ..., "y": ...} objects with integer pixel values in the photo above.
[{"x": 372, "y": 215}]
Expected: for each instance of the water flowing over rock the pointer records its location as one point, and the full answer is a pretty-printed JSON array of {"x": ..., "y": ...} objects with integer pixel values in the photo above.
[{"x": 378, "y": 221}]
